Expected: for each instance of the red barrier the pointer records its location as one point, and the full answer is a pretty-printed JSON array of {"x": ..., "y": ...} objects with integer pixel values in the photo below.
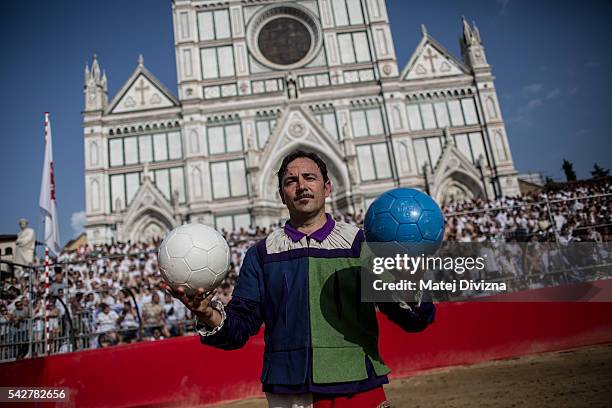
[
  {"x": 143, "y": 374},
  {"x": 467, "y": 333},
  {"x": 181, "y": 372}
]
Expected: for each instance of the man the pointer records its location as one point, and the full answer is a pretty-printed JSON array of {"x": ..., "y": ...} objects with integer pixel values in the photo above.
[
  {"x": 58, "y": 283},
  {"x": 127, "y": 322},
  {"x": 106, "y": 320},
  {"x": 224, "y": 293},
  {"x": 302, "y": 281},
  {"x": 175, "y": 313},
  {"x": 20, "y": 326},
  {"x": 154, "y": 316}
]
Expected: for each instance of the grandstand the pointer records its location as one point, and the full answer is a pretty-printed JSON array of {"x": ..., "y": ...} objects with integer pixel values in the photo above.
[{"x": 105, "y": 295}]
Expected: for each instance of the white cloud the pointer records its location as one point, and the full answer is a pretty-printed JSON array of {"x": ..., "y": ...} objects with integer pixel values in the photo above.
[
  {"x": 534, "y": 103},
  {"x": 77, "y": 222},
  {"x": 531, "y": 89},
  {"x": 553, "y": 94},
  {"x": 531, "y": 97}
]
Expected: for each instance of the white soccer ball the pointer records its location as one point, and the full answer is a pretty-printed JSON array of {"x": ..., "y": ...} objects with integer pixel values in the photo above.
[{"x": 193, "y": 256}]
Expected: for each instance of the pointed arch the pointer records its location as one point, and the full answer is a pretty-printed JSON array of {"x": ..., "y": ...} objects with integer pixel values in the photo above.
[
  {"x": 147, "y": 221},
  {"x": 94, "y": 187},
  {"x": 94, "y": 154},
  {"x": 404, "y": 155},
  {"x": 455, "y": 177},
  {"x": 336, "y": 169},
  {"x": 196, "y": 182},
  {"x": 491, "y": 109},
  {"x": 194, "y": 141},
  {"x": 148, "y": 206},
  {"x": 397, "y": 118},
  {"x": 458, "y": 186},
  {"x": 500, "y": 146}
]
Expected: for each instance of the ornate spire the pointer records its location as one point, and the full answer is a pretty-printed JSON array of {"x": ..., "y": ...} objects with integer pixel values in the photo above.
[
  {"x": 95, "y": 68},
  {"x": 467, "y": 32},
  {"x": 471, "y": 35},
  {"x": 423, "y": 30},
  {"x": 472, "y": 50},
  {"x": 96, "y": 86},
  {"x": 86, "y": 75},
  {"x": 476, "y": 32},
  {"x": 140, "y": 60},
  {"x": 103, "y": 81}
]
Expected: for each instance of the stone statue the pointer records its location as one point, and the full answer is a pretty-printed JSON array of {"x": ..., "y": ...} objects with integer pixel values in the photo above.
[
  {"x": 175, "y": 198},
  {"x": 26, "y": 239},
  {"x": 146, "y": 172},
  {"x": 345, "y": 130},
  {"x": 291, "y": 86}
]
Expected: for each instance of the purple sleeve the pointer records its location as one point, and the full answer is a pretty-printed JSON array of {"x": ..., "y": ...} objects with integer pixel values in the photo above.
[
  {"x": 413, "y": 319},
  {"x": 243, "y": 320}
]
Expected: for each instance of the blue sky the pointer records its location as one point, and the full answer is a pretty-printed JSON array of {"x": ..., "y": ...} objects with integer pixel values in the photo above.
[{"x": 550, "y": 59}]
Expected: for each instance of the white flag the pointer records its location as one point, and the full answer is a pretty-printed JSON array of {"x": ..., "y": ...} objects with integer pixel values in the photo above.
[{"x": 47, "y": 203}]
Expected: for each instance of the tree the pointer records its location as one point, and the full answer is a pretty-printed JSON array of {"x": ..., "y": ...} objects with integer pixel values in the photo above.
[
  {"x": 599, "y": 172},
  {"x": 568, "y": 168}
]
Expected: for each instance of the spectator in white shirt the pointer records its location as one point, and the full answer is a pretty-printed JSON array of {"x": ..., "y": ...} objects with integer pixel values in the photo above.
[{"x": 106, "y": 322}]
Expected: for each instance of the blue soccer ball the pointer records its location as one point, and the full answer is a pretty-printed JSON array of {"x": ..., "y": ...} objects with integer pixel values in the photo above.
[{"x": 407, "y": 217}]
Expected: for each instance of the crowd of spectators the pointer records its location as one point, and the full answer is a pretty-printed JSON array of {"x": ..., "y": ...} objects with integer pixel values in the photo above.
[
  {"x": 108, "y": 290},
  {"x": 575, "y": 213}
]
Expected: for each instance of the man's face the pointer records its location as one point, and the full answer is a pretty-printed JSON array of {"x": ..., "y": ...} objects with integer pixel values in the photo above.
[{"x": 303, "y": 190}]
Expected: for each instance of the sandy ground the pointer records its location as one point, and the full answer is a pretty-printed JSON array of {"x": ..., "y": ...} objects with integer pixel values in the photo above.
[{"x": 573, "y": 378}]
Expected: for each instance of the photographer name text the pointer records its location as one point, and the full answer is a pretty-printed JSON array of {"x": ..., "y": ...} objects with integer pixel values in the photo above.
[{"x": 432, "y": 286}]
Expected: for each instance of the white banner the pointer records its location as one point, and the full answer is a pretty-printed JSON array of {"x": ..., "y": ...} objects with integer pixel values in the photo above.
[{"x": 48, "y": 203}]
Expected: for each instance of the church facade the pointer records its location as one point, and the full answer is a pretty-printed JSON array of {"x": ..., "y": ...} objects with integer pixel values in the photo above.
[{"x": 258, "y": 79}]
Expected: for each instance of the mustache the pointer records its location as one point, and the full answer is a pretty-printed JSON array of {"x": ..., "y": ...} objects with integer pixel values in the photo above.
[{"x": 303, "y": 195}]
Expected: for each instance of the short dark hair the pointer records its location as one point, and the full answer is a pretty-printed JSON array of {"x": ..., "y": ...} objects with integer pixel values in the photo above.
[{"x": 296, "y": 154}]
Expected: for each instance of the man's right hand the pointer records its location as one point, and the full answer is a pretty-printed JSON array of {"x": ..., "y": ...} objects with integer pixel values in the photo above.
[{"x": 199, "y": 304}]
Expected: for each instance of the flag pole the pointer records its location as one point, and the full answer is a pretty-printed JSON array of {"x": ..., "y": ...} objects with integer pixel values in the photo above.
[
  {"x": 46, "y": 304},
  {"x": 48, "y": 205}
]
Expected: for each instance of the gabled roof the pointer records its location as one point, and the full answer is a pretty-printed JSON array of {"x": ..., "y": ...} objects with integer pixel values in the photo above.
[
  {"x": 298, "y": 123},
  {"x": 452, "y": 160},
  {"x": 453, "y": 167},
  {"x": 298, "y": 128},
  {"x": 431, "y": 60},
  {"x": 142, "y": 91},
  {"x": 148, "y": 198}
]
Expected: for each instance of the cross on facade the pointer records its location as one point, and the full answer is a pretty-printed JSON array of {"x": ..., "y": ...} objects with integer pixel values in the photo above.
[
  {"x": 142, "y": 88},
  {"x": 431, "y": 56}
]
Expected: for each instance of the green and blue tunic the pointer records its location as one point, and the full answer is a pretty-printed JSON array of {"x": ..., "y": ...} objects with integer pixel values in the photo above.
[{"x": 319, "y": 336}]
